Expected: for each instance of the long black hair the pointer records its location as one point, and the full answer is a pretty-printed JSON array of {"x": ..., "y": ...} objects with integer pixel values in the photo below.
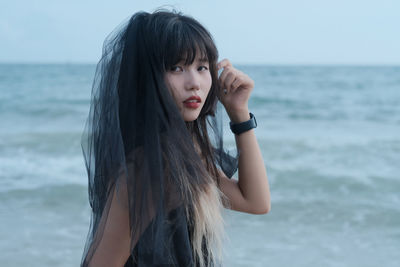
[{"x": 137, "y": 146}]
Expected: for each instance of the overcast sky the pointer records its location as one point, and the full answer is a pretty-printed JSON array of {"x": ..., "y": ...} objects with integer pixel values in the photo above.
[{"x": 257, "y": 32}]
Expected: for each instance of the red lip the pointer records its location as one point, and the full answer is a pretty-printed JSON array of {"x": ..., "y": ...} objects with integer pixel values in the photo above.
[
  {"x": 195, "y": 97},
  {"x": 194, "y": 102}
]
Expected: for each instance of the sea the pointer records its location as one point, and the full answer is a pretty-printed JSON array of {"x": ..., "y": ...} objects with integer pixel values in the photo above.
[{"x": 330, "y": 139}]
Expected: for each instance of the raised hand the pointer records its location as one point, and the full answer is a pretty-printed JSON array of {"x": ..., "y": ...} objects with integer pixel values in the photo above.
[{"x": 235, "y": 89}]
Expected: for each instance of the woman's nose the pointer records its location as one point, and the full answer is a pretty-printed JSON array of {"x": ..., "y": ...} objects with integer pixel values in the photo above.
[{"x": 192, "y": 80}]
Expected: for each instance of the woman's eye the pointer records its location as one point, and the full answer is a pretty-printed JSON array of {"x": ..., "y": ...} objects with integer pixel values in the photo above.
[
  {"x": 176, "y": 69},
  {"x": 202, "y": 68}
]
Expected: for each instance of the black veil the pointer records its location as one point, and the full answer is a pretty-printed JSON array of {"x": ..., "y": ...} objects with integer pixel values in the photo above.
[{"x": 136, "y": 145}]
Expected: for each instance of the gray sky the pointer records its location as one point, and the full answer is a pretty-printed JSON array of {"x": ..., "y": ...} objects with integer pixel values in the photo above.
[{"x": 246, "y": 31}]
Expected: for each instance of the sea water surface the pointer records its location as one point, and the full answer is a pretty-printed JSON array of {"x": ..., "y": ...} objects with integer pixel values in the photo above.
[{"x": 330, "y": 137}]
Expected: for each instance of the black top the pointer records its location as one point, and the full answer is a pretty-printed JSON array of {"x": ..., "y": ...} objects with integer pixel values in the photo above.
[{"x": 178, "y": 247}]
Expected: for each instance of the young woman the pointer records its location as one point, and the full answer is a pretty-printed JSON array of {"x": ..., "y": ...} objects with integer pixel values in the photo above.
[{"x": 159, "y": 175}]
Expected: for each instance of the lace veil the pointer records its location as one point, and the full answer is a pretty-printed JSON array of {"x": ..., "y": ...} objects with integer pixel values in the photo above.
[{"x": 135, "y": 142}]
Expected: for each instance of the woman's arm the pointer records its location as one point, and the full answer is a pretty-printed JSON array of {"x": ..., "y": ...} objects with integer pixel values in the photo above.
[
  {"x": 253, "y": 180},
  {"x": 251, "y": 192},
  {"x": 114, "y": 238},
  {"x": 129, "y": 210},
  {"x": 114, "y": 246}
]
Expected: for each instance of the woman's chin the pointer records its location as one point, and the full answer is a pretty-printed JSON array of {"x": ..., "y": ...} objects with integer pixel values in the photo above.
[
  {"x": 190, "y": 120},
  {"x": 190, "y": 117}
]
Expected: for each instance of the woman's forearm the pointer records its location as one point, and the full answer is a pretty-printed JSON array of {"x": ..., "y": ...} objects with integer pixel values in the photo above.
[{"x": 253, "y": 181}]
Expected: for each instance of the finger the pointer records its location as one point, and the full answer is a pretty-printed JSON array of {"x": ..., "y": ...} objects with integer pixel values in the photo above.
[
  {"x": 236, "y": 83},
  {"x": 221, "y": 92},
  {"x": 242, "y": 80},
  {"x": 230, "y": 78},
  {"x": 223, "y": 75},
  {"x": 224, "y": 63}
]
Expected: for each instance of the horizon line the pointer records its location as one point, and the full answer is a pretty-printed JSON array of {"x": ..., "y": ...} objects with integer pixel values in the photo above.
[{"x": 344, "y": 64}]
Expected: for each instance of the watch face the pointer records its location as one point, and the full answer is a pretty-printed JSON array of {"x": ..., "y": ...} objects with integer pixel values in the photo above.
[
  {"x": 253, "y": 118},
  {"x": 244, "y": 126},
  {"x": 255, "y": 121}
]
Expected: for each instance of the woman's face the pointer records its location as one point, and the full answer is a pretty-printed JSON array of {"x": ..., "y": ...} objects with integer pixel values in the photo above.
[{"x": 189, "y": 86}]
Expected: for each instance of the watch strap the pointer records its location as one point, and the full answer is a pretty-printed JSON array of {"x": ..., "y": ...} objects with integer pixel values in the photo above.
[{"x": 238, "y": 128}]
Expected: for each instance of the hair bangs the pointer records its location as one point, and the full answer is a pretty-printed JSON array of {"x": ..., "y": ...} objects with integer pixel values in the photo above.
[{"x": 188, "y": 42}]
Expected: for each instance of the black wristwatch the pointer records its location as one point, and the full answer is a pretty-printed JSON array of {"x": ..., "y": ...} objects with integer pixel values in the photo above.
[{"x": 238, "y": 128}]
